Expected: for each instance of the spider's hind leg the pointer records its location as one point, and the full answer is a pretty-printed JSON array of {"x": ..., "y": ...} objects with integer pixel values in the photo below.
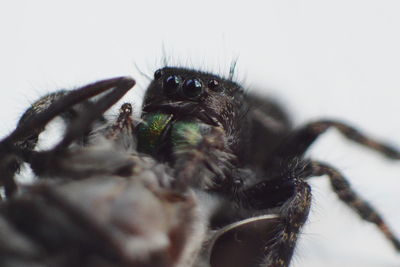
[
  {"x": 298, "y": 142},
  {"x": 343, "y": 190}
]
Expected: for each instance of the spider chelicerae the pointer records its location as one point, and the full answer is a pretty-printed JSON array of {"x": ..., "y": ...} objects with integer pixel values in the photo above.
[{"x": 207, "y": 176}]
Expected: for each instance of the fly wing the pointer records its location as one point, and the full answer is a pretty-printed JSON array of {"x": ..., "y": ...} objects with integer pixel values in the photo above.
[{"x": 241, "y": 243}]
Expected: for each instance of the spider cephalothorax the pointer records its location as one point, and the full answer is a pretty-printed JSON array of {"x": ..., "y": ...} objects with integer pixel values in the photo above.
[
  {"x": 200, "y": 100},
  {"x": 208, "y": 177}
]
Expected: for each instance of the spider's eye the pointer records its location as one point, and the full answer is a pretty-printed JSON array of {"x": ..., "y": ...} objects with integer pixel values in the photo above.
[
  {"x": 171, "y": 84},
  {"x": 158, "y": 74},
  {"x": 192, "y": 88},
  {"x": 213, "y": 84}
]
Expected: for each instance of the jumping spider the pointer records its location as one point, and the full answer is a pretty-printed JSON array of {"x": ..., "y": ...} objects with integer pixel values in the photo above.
[{"x": 208, "y": 176}]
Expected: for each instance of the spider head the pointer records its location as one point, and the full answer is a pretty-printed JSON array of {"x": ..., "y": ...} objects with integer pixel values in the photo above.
[{"x": 197, "y": 96}]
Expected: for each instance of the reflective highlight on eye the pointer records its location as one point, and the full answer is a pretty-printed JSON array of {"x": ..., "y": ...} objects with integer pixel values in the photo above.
[
  {"x": 171, "y": 84},
  {"x": 213, "y": 84},
  {"x": 192, "y": 88}
]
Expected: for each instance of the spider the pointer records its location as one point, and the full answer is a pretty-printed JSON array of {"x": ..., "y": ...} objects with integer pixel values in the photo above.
[{"x": 208, "y": 176}]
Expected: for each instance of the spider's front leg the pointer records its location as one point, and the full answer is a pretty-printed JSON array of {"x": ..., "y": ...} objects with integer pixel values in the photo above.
[
  {"x": 202, "y": 160},
  {"x": 289, "y": 196},
  {"x": 293, "y": 215}
]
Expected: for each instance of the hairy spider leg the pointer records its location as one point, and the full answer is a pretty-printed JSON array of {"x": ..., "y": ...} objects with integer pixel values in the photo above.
[
  {"x": 123, "y": 121},
  {"x": 288, "y": 195},
  {"x": 297, "y": 143},
  {"x": 210, "y": 153},
  {"x": 343, "y": 189},
  {"x": 292, "y": 215}
]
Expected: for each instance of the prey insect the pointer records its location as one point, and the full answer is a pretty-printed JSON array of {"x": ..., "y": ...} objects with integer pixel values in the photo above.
[{"x": 208, "y": 176}]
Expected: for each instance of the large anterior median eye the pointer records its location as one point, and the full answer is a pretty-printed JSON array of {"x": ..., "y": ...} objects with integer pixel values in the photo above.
[
  {"x": 171, "y": 84},
  {"x": 192, "y": 88}
]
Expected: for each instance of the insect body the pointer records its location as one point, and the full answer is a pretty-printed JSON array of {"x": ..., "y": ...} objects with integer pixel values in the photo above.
[{"x": 209, "y": 176}]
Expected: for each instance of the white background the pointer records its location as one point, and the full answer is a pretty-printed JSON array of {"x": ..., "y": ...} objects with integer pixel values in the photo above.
[{"x": 337, "y": 59}]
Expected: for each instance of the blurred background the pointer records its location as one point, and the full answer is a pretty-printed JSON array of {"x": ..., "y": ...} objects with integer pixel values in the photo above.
[{"x": 320, "y": 59}]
